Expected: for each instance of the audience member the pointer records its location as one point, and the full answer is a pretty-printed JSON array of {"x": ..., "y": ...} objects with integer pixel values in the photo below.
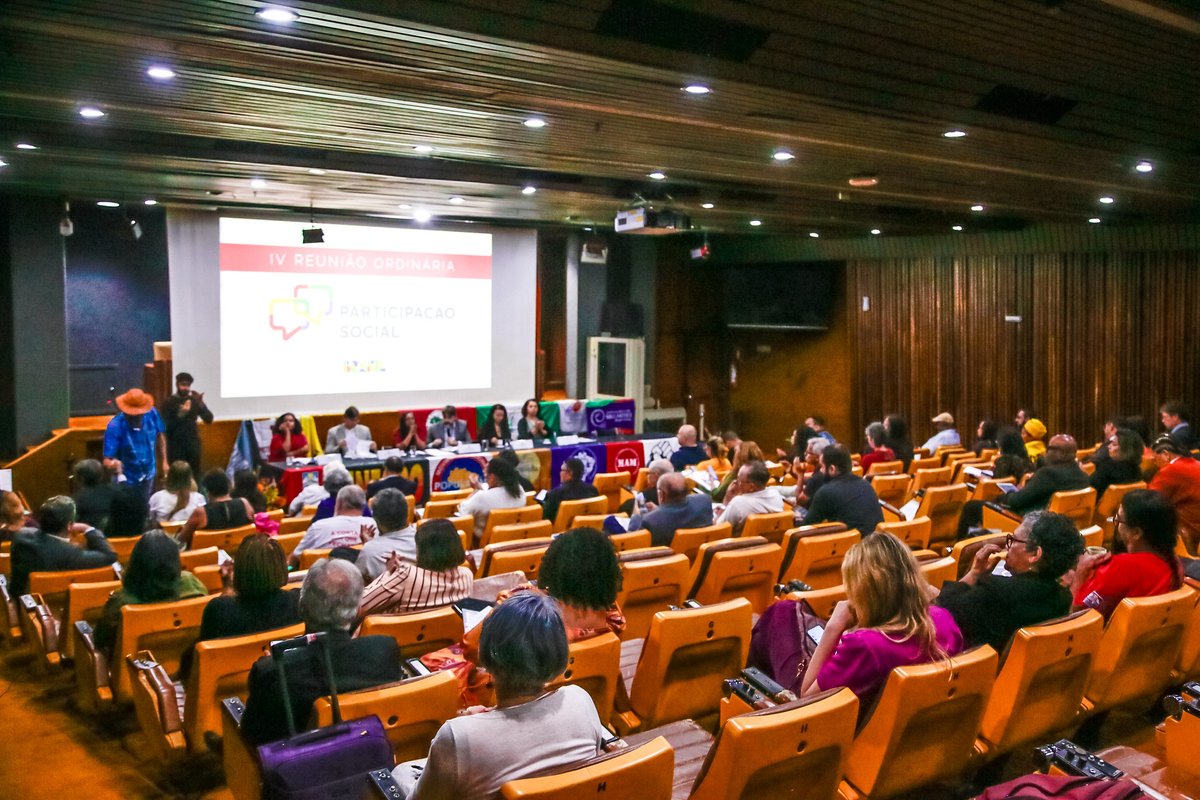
[
  {"x": 732, "y": 441},
  {"x": 50, "y": 550},
  {"x": 885, "y": 622},
  {"x": 817, "y": 423},
  {"x": 1111, "y": 426},
  {"x": 531, "y": 425},
  {"x": 655, "y": 470},
  {"x": 406, "y": 436},
  {"x": 128, "y": 514},
  {"x": 1137, "y": 423},
  {"x": 180, "y": 413},
  {"x": 717, "y": 460},
  {"x": 946, "y": 436},
  {"x": 329, "y": 601},
  {"x": 1032, "y": 433},
  {"x": 990, "y": 608},
  {"x": 434, "y": 576},
  {"x": 1013, "y": 461},
  {"x": 450, "y": 432},
  {"x": 495, "y": 431},
  {"x": 1177, "y": 421},
  {"x": 154, "y": 575},
  {"x": 349, "y": 436},
  {"x": 393, "y": 478},
  {"x": 1145, "y": 527},
  {"x": 334, "y": 473},
  {"x": 899, "y": 439},
  {"x": 346, "y": 528},
  {"x": 503, "y": 490},
  {"x": 12, "y": 516},
  {"x": 812, "y": 467},
  {"x": 678, "y": 508},
  {"x": 877, "y": 449},
  {"x": 753, "y": 497},
  {"x": 134, "y": 443},
  {"x": 581, "y": 572},
  {"x": 221, "y": 512},
  {"x": 844, "y": 497},
  {"x": 570, "y": 487},
  {"x": 390, "y": 512},
  {"x": 728, "y": 488},
  {"x": 515, "y": 460},
  {"x": 524, "y": 646},
  {"x": 246, "y": 486},
  {"x": 335, "y": 481},
  {"x": 1124, "y": 462},
  {"x": 1178, "y": 479},
  {"x": 689, "y": 453},
  {"x": 93, "y": 492},
  {"x": 1023, "y": 415},
  {"x": 176, "y": 501},
  {"x": 985, "y": 436},
  {"x": 799, "y": 440},
  {"x": 286, "y": 439},
  {"x": 1060, "y": 472}
]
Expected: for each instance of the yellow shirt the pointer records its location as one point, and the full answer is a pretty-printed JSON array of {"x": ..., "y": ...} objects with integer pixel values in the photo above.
[{"x": 1035, "y": 448}]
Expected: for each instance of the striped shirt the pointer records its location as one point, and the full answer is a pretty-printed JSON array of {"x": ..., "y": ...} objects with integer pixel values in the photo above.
[{"x": 411, "y": 588}]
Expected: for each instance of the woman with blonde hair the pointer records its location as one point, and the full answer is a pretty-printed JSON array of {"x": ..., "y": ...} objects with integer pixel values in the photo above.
[
  {"x": 179, "y": 498},
  {"x": 886, "y": 622},
  {"x": 717, "y": 455}
]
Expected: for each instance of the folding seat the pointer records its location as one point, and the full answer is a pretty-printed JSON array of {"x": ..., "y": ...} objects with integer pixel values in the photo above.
[
  {"x": 816, "y": 558},
  {"x": 688, "y": 540},
  {"x": 220, "y": 669},
  {"x": 40, "y": 629},
  {"x": 520, "y": 556},
  {"x": 53, "y": 586},
  {"x": 938, "y": 570},
  {"x": 594, "y": 665},
  {"x": 313, "y": 555},
  {"x": 508, "y": 516},
  {"x": 960, "y": 468},
  {"x": 822, "y": 601},
  {"x": 1093, "y": 536},
  {"x": 915, "y": 532},
  {"x": 1088, "y": 467},
  {"x": 44, "y": 617},
  {"x": 539, "y": 528},
  {"x": 1139, "y": 649},
  {"x": 769, "y": 526},
  {"x": 652, "y": 580},
  {"x": 450, "y": 494},
  {"x": 632, "y": 540},
  {"x": 464, "y": 525},
  {"x": 593, "y": 520},
  {"x": 210, "y": 576},
  {"x": 610, "y": 485},
  {"x": 158, "y": 704},
  {"x": 171, "y": 528},
  {"x": 85, "y": 602},
  {"x": 1079, "y": 505},
  {"x": 923, "y": 727},
  {"x": 1109, "y": 502},
  {"x": 775, "y": 469},
  {"x": 417, "y": 632},
  {"x": 964, "y": 550},
  {"x": 307, "y": 512},
  {"x": 931, "y": 477},
  {"x": 943, "y": 505},
  {"x": 1188, "y": 667},
  {"x": 687, "y": 654},
  {"x": 1041, "y": 683},
  {"x": 275, "y": 514},
  {"x": 123, "y": 547},
  {"x": 945, "y": 451},
  {"x": 920, "y": 462},
  {"x": 642, "y": 479},
  {"x": 441, "y": 509},
  {"x": 635, "y": 773},
  {"x": 10, "y": 621},
  {"x": 411, "y": 710},
  {"x": 801, "y": 745},
  {"x": 728, "y": 568},
  {"x": 227, "y": 540},
  {"x": 988, "y": 489},
  {"x": 998, "y": 518},
  {"x": 892, "y": 489},
  {"x": 568, "y": 510},
  {"x": 287, "y": 543},
  {"x": 885, "y": 468},
  {"x": 294, "y": 525}
]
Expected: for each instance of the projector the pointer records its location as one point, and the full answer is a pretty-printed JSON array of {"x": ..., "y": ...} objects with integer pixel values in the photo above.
[
  {"x": 651, "y": 221},
  {"x": 312, "y": 236}
]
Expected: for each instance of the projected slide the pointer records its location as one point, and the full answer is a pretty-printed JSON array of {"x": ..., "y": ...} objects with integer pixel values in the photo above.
[{"x": 370, "y": 310}]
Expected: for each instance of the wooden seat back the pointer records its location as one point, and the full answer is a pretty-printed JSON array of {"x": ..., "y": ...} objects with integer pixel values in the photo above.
[
  {"x": 594, "y": 665},
  {"x": 920, "y": 462},
  {"x": 610, "y": 484},
  {"x": 85, "y": 601},
  {"x": 943, "y": 505},
  {"x": 190, "y": 559},
  {"x": 688, "y": 540},
  {"x": 228, "y": 540},
  {"x": 520, "y": 556},
  {"x": 931, "y": 477},
  {"x": 539, "y": 528},
  {"x": 885, "y": 468},
  {"x": 651, "y": 581},
  {"x": 892, "y": 489},
  {"x": 441, "y": 509},
  {"x": 166, "y": 629},
  {"x": 1079, "y": 505},
  {"x": 508, "y": 517},
  {"x": 449, "y": 494},
  {"x": 294, "y": 525},
  {"x": 417, "y": 632},
  {"x": 631, "y": 540},
  {"x": 964, "y": 550},
  {"x": 568, "y": 510},
  {"x": 1107, "y": 505},
  {"x": 770, "y": 526},
  {"x": 645, "y": 772},
  {"x": 915, "y": 532},
  {"x": 729, "y": 568},
  {"x": 817, "y": 559}
]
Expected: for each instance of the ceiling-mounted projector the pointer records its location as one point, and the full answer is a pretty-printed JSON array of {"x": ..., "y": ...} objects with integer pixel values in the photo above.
[
  {"x": 647, "y": 220},
  {"x": 312, "y": 236}
]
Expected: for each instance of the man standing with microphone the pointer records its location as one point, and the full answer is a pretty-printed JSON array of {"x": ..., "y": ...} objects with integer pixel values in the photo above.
[
  {"x": 180, "y": 412},
  {"x": 134, "y": 444}
]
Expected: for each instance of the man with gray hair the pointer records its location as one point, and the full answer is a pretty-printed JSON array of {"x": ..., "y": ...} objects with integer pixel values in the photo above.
[
  {"x": 655, "y": 470},
  {"x": 315, "y": 492},
  {"x": 50, "y": 549},
  {"x": 395, "y": 534},
  {"x": 678, "y": 509},
  {"x": 689, "y": 451},
  {"x": 346, "y": 528},
  {"x": 329, "y": 602}
]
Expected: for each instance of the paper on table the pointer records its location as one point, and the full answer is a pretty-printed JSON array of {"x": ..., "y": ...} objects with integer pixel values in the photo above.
[
  {"x": 522, "y": 444},
  {"x": 472, "y": 447},
  {"x": 569, "y": 439},
  {"x": 389, "y": 452},
  {"x": 328, "y": 458},
  {"x": 362, "y": 449},
  {"x": 6, "y": 480}
]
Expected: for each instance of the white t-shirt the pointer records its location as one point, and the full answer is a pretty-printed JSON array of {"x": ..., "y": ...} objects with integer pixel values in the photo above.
[
  {"x": 162, "y": 501},
  {"x": 310, "y": 495},
  {"x": 765, "y": 501},
  {"x": 480, "y": 504},
  {"x": 340, "y": 531},
  {"x": 375, "y": 553}
]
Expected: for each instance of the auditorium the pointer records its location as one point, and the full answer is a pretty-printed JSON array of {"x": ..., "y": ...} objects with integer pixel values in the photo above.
[{"x": 637, "y": 399}]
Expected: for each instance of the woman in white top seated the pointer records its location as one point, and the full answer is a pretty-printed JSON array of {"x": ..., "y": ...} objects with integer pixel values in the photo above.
[
  {"x": 504, "y": 491},
  {"x": 179, "y": 499},
  {"x": 524, "y": 646}
]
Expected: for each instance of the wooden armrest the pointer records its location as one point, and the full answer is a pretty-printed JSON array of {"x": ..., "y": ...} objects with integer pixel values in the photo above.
[{"x": 85, "y": 639}]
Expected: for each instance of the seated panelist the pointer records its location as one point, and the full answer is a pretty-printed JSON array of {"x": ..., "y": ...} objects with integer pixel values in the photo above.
[
  {"x": 345, "y": 438},
  {"x": 450, "y": 432},
  {"x": 495, "y": 431}
]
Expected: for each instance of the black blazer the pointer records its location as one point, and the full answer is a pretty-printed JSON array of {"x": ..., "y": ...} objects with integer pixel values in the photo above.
[
  {"x": 361, "y": 663},
  {"x": 1184, "y": 436},
  {"x": 392, "y": 482},
  {"x": 35, "y": 551},
  {"x": 992, "y": 610}
]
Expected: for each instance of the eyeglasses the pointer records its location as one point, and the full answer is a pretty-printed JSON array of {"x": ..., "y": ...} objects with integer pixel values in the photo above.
[
  {"x": 1010, "y": 539},
  {"x": 1117, "y": 519}
]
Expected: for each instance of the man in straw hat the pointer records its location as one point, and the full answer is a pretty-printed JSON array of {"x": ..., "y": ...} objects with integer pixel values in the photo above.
[{"x": 134, "y": 443}]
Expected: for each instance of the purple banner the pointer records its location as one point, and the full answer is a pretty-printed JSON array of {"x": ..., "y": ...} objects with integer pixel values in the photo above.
[
  {"x": 593, "y": 456},
  {"x": 617, "y": 414}
]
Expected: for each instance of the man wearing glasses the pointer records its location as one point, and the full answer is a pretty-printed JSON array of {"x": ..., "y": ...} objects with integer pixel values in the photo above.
[{"x": 990, "y": 608}]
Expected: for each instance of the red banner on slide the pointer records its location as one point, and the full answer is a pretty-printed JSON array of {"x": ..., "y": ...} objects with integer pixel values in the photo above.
[{"x": 327, "y": 261}]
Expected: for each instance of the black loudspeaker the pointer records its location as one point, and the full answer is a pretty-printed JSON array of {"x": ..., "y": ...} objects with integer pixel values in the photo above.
[{"x": 622, "y": 318}]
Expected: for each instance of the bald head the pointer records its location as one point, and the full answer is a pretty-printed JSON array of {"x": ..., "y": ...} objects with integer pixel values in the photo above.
[
  {"x": 1061, "y": 449},
  {"x": 686, "y": 436},
  {"x": 672, "y": 488}
]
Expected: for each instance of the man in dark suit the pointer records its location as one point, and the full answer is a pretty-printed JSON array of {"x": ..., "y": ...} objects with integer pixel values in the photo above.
[
  {"x": 571, "y": 487},
  {"x": 678, "y": 509},
  {"x": 329, "y": 602},
  {"x": 450, "y": 431},
  {"x": 1060, "y": 472},
  {"x": 844, "y": 497},
  {"x": 1177, "y": 421},
  {"x": 393, "y": 478},
  {"x": 50, "y": 549}
]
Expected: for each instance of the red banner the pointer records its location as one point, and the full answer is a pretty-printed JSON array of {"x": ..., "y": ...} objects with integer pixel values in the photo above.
[
  {"x": 625, "y": 457},
  {"x": 323, "y": 260}
]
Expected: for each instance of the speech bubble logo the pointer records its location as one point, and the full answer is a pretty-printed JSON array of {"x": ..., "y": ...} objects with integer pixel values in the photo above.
[
  {"x": 319, "y": 300},
  {"x": 289, "y": 316}
]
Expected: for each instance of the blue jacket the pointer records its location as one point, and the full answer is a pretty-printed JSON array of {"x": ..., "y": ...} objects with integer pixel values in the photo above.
[{"x": 696, "y": 511}]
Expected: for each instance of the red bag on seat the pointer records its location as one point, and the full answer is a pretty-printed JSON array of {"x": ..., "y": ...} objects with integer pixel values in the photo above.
[{"x": 1063, "y": 787}]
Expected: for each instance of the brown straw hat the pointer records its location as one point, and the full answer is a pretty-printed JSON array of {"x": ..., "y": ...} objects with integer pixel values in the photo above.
[{"x": 135, "y": 401}]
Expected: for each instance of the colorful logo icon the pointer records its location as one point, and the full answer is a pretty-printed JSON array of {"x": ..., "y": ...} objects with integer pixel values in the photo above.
[{"x": 307, "y": 306}]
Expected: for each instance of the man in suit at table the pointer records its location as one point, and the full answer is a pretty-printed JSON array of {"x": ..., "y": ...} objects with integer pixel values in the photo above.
[
  {"x": 677, "y": 509},
  {"x": 50, "y": 549},
  {"x": 450, "y": 431}
]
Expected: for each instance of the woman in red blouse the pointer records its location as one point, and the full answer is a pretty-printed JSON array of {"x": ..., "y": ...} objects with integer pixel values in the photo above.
[
  {"x": 877, "y": 442},
  {"x": 288, "y": 441}
]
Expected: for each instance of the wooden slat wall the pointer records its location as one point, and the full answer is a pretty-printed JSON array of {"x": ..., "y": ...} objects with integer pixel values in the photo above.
[{"x": 1099, "y": 334}]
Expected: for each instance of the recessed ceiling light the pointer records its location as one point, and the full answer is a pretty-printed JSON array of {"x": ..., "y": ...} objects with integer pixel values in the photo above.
[
  {"x": 277, "y": 14},
  {"x": 706, "y": 205},
  {"x": 534, "y": 122},
  {"x": 697, "y": 88},
  {"x": 150, "y": 202},
  {"x": 404, "y": 205},
  {"x": 1108, "y": 200},
  {"x": 161, "y": 73},
  {"x": 422, "y": 215},
  {"x": 315, "y": 171},
  {"x": 456, "y": 201},
  {"x": 1094, "y": 220},
  {"x": 1144, "y": 166},
  {"x": 814, "y": 234},
  {"x": 423, "y": 148},
  {"x": 258, "y": 183},
  {"x": 863, "y": 181},
  {"x": 783, "y": 154},
  {"x": 657, "y": 176},
  {"x": 26, "y": 146},
  {"x": 954, "y": 134},
  {"x": 529, "y": 190},
  {"x": 956, "y": 227},
  {"x": 108, "y": 204},
  {"x": 875, "y": 231},
  {"x": 977, "y": 207},
  {"x": 90, "y": 112},
  {"x": 754, "y": 223},
  {"x": 3, "y": 163}
]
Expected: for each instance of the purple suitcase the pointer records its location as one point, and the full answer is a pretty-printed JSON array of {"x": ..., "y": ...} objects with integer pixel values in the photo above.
[{"x": 332, "y": 762}]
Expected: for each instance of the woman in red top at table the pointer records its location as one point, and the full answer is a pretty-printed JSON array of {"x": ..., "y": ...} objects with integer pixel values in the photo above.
[
  {"x": 877, "y": 441},
  {"x": 406, "y": 437},
  {"x": 1145, "y": 528},
  {"x": 287, "y": 441}
]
